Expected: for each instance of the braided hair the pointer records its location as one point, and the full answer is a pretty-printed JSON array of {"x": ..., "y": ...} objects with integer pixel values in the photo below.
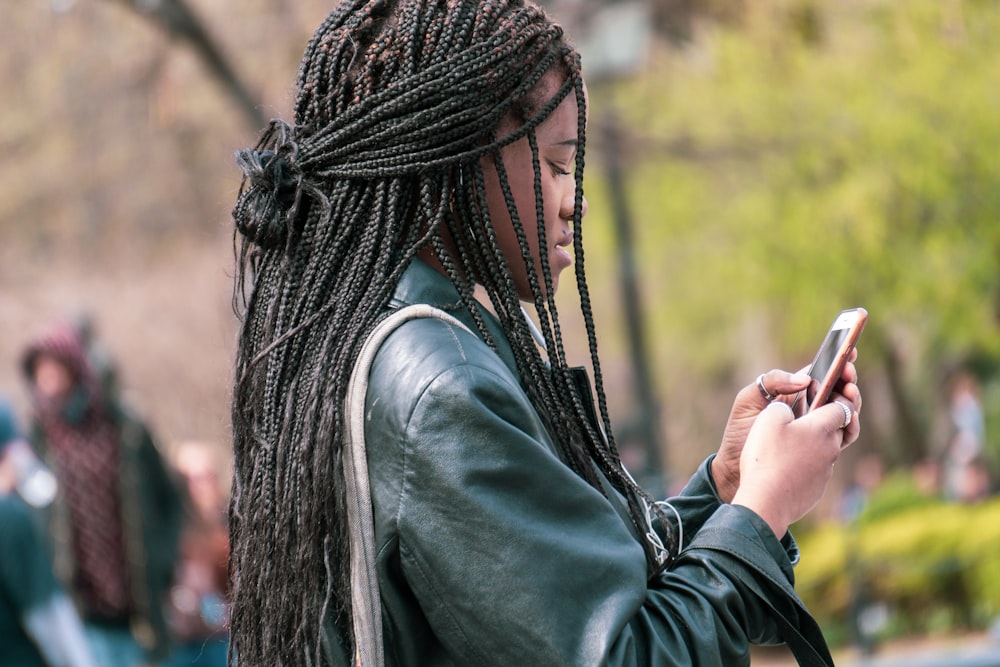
[{"x": 398, "y": 104}]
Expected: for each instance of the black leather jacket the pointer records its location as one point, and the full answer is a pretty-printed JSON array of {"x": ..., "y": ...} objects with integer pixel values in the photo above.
[{"x": 491, "y": 551}]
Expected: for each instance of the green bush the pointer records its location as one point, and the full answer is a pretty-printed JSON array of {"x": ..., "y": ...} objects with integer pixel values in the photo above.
[{"x": 934, "y": 565}]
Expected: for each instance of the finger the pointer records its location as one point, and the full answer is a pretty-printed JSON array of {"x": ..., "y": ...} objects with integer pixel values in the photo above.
[
  {"x": 777, "y": 383},
  {"x": 849, "y": 374},
  {"x": 799, "y": 404},
  {"x": 837, "y": 415},
  {"x": 852, "y": 432},
  {"x": 851, "y": 395}
]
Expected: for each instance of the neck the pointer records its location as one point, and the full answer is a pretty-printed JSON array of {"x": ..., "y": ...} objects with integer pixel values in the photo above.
[{"x": 428, "y": 255}]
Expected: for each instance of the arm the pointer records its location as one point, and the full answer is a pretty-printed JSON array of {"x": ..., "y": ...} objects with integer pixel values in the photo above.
[
  {"x": 700, "y": 499},
  {"x": 718, "y": 479},
  {"x": 165, "y": 496}
]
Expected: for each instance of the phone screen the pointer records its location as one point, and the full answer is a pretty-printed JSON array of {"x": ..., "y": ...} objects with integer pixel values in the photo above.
[
  {"x": 828, "y": 353},
  {"x": 833, "y": 353}
]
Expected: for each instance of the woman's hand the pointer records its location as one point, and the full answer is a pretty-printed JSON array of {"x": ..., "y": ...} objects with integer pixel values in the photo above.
[
  {"x": 749, "y": 403},
  {"x": 787, "y": 463}
]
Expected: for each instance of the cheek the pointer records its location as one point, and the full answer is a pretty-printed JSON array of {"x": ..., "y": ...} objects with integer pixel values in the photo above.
[
  {"x": 520, "y": 180},
  {"x": 554, "y": 196},
  {"x": 520, "y": 177}
]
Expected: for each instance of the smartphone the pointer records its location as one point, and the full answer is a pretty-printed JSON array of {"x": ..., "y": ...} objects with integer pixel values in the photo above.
[{"x": 833, "y": 354}]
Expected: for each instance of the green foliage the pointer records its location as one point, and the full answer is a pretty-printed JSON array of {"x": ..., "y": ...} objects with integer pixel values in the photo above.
[
  {"x": 798, "y": 176},
  {"x": 935, "y": 565},
  {"x": 896, "y": 494}
]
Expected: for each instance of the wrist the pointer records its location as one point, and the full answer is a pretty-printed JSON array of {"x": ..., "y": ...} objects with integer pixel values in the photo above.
[
  {"x": 772, "y": 516},
  {"x": 726, "y": 484}
]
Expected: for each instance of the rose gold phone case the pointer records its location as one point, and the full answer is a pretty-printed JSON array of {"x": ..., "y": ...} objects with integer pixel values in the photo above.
[{"x": 855, "y": 319}]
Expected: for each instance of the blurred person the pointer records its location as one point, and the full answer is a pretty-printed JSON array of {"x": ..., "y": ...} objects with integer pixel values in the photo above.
[
  {"x": 435, "y": 169},
  {"x": 39, "y": 626},
  {"x": 867, "y": 474},
  {"x": 102, "y": 363},
  {"x": 198, "y": 617},
  {"x": 115, "y": 524},
  {"x": 968, "y": 436}
]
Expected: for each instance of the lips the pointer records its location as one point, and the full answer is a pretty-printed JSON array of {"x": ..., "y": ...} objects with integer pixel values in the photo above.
[{"x": 561, "y": 257}]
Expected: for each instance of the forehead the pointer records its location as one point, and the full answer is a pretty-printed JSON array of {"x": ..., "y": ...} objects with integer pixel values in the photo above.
[
  {"x": 562, "y": 120},
  {"x": 563, "y": 123}
]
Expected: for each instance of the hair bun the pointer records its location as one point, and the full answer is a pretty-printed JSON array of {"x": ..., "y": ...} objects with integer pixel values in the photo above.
[{"x": 269, "y": 195}]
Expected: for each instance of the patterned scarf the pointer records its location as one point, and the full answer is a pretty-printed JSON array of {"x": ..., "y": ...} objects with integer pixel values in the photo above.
[
  {"x": 87, "y": 458},
  {"x": 84, "y": 444}
]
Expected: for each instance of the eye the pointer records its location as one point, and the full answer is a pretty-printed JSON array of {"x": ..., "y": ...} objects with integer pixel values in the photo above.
[{"x": 559, "y": 171}]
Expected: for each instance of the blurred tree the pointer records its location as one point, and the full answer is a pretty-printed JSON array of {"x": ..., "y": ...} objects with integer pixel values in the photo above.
[
  {"x": 178, "y": 19},
  {"x": 117, "y": 182},
  {"x": 786, "y": 159},
  {"x": 821, "y": 156},
  {"x": 676, "y": 21}
]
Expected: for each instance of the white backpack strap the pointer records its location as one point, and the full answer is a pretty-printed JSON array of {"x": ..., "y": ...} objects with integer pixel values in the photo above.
[{"x": 367, "y": 608}]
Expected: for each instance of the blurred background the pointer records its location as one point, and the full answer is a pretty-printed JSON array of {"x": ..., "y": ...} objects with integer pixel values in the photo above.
[{"x": 753, "y": 168}]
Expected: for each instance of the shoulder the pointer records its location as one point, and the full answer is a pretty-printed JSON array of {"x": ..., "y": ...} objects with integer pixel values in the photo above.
[
  {"x": 426, "y": 350},
  {"x": 432, "y": 376}
]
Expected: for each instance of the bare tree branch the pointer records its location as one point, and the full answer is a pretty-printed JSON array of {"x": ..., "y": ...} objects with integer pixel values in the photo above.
[{"x": 180, "y": 22}]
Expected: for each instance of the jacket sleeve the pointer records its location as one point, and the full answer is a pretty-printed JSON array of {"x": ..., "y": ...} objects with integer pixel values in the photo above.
[
  {"x": 515, "y": 559},
  {"x": 162, "y": 498},
  {"x": 699, "y": 500}
]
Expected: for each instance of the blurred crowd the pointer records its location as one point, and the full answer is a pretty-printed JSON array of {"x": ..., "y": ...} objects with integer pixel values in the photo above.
[
  {"x": 112, "y": 553},
  {"x": 959, "y": 470}
]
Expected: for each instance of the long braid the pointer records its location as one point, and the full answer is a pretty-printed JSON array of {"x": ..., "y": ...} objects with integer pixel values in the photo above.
[{"x": 330, "y": 214}]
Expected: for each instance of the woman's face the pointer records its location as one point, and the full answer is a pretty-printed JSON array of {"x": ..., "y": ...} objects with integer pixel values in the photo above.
[
  {"x": 557, "y": 144},
  {"x": 53, "y": 381}
]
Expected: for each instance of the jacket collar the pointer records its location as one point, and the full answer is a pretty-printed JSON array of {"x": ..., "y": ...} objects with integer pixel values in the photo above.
[{"x": 422, "y": 283}]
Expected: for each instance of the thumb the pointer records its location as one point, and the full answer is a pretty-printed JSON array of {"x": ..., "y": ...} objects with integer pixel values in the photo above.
[{"x": 776, "y": 413}]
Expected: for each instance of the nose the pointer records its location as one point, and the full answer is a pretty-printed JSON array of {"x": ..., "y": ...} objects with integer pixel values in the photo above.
[{"x": 568, "y": 202}]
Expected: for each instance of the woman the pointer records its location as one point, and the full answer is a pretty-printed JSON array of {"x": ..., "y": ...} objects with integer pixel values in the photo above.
[
  {"x": 438, "y": 149},
  {"x": 116, "y": 521}
]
